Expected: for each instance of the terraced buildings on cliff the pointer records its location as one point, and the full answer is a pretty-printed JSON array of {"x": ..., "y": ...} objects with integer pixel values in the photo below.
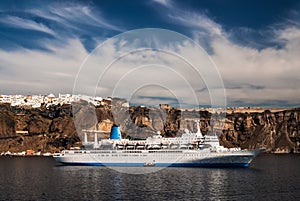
[{"x": 36, "y": 101}]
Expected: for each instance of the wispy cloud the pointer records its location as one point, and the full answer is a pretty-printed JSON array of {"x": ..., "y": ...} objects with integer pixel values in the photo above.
[
  {"x": 200, "y": 26},
  {"x": 197, "y": 21},
  {"x": 77, "y": 14},
  {"x": 166, "y": 3},
  {"x": 60, "y": 21},
  {"x": 18, "y": 22}
]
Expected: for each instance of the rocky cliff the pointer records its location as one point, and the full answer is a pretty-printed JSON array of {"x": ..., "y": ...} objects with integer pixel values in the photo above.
[{"x": 52, "y": 129}]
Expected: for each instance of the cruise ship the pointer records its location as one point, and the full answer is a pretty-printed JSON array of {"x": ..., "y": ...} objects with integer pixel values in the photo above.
[{"x": 189, "y": 150}]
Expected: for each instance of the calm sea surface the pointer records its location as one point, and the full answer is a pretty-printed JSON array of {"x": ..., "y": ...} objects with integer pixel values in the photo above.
[{"x": 269, "y": 177}]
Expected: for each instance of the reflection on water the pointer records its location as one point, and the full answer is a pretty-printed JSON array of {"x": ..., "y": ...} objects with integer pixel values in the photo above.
[{"x": 270, "y": 177}]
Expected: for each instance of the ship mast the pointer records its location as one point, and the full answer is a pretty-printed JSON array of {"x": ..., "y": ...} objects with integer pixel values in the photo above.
[
  {"x": 96, "y": 141},
  {"x": 198, "y": 133},
  {"x": 85, "y": 138}
]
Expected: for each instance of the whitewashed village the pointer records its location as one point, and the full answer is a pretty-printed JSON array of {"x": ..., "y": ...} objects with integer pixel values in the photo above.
[{"x": 36, "y": 101}]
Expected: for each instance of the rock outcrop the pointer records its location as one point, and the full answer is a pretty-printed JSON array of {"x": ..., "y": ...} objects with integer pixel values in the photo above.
[{"x": 58, "y": 127}]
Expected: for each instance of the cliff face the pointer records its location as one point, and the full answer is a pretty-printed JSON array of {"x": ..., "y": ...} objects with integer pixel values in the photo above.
[
  {"x": 276, "y": 132},
  {"x": 52, "y": 129}
]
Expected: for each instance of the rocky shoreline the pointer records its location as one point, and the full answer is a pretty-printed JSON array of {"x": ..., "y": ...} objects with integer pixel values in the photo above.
[{"x": 52, "y": 129}]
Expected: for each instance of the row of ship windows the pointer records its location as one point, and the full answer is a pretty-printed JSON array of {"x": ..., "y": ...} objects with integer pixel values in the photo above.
[
  {"x": 133, "y": 151},
  {"x": 139, "y": 153},
  {"x": 121, "y": 155},
  {"x": 125, "y": 155},
  {"x": 165, "y": 151}
]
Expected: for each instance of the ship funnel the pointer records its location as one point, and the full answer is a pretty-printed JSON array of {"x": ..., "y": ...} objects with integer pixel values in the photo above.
[{"x": 115, "y": 133}]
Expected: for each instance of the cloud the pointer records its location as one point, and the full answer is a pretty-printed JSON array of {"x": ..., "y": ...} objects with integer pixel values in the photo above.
[
  {"x": 274, "y": 70},
  {"x": 201, "y": 27},
  {"x": 59, "y": 21},
  {"x": 17, "y": 22},
  {"x": 166, "y": 3},
  {"x": 288, "y": 34},
  {"x": 268, "y": 75},
  {"x": 26, "y": 71},
  {"x": 198, "y": 21},
  {"x": 193, "y": 20},
  {"x": 77, "y": 14},
  {"x": 252, "y": 73},
  {"x": 171, "y": 67}
]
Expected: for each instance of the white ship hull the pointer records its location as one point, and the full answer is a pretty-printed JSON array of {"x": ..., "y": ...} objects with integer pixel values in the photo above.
[
  {"x": 159, "y": 158},
  {"x": 189, "y": 150}
]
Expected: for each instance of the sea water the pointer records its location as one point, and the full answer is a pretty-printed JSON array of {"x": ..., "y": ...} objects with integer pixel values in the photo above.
[{"x": 269, "y": 177}]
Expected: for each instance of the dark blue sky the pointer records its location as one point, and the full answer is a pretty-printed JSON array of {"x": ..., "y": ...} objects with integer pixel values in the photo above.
[
  {"x": 247, "y": 21},
  {"x": 255, "y": 44}
]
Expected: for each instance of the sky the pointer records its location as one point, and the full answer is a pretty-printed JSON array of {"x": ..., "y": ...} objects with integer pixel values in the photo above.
[{"x": 46, "y": 47}]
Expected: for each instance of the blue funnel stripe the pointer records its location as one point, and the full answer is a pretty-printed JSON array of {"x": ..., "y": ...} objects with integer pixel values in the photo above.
[{"x": 115, "y": 133}]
